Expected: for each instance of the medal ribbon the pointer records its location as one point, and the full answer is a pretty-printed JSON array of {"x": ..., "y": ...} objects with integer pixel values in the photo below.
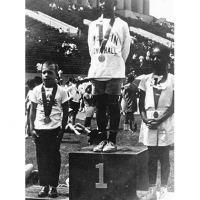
[
  {"x": 106, "y": 36},
  {"x": 47, "y": 109}
]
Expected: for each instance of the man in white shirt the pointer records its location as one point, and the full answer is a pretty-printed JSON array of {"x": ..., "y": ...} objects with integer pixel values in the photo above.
[{"x": 49, "y": 112}]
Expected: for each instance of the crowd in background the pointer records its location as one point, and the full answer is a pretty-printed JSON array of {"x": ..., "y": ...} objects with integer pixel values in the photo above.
[{"x": 81, "y": 100}]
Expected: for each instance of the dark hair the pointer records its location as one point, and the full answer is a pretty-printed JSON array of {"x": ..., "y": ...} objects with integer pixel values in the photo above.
[
  {"x": 51, "y": 63},
  {"x": 88, "y": 87},
  {"x": 164, "y": 50},
  {"x": 30, "y": 83},
  {"x": 38, "y": 80},
  {"x": 130, "y": 78}
]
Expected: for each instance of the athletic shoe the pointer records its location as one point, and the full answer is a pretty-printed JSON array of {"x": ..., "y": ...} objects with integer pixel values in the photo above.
[
  {"x": 52, "y": 192},
  {"x": 100, "y": 146},
  {"x": 163, "y": 193},
  {"x": 151, "y": 194},
  {"x": 110, "y": 147},
  {"x": 43, "y": 192}
]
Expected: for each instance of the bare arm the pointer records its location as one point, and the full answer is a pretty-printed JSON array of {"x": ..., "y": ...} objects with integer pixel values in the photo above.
[
  {"x": 64, "y": 121},
  {"x": 32, "y": 119},
  {"x": 156, "y": 122},
  {"x": 65, "y": 115},
  {"x": 142, "y": 107}
]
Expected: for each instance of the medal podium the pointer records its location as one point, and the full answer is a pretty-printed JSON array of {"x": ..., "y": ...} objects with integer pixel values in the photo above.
[{"x": 108, "y": 176}]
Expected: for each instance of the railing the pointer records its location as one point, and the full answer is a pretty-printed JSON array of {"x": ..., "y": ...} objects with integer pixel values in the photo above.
[
  {"x": 151, "y": 36},
  {"x": 52, "y": 22}
]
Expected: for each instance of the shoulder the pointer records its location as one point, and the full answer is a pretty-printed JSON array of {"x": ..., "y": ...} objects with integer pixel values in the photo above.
[
  {"x": 37, "y": 89},
  {"x": 171, "y": 78},
  {"x": 120, "y": 21},
  {"x": 94, "y": 22},
  {"x": 145, "y": 77}
]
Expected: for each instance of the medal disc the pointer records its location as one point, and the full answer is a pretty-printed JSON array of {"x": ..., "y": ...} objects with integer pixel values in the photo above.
[
  {"x": 155, "y": 114},
  {"x": 47, "y": 120},
  {"x": 101, "y": 58}
]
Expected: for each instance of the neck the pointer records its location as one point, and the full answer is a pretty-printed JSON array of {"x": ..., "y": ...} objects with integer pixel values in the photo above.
[
  {"x": 160, "y": 73},
  {"x": 108, "y": 15},
  {"x": 49, "y": 85}
]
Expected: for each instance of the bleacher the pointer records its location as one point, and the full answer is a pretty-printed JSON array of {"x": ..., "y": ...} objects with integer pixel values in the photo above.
[{"x": 45, "y": 43}]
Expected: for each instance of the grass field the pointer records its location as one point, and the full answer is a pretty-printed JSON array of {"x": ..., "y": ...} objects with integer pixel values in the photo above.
[{"x": 73, "y": 142}]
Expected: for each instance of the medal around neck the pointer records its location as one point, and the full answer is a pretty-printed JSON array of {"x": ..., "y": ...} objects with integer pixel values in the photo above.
[
  {"x": 47, "y": 120},
  {"x": 155, "y": 114},
  {"x": 101, "y": 58}
]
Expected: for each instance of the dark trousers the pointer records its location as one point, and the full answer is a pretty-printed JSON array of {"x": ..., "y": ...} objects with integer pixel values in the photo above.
[
  {"x": 162, "y": 154},
  {"x": 48, "y": 157},
  {"x": 111, "y": 102}
]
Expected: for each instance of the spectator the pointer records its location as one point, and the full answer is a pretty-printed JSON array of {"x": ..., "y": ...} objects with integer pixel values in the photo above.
[
  {"x": 74, "y": 102},
  {"x": 129, "y": 104},
  {"x": 141, "y": 58},
  {"x": 157, "y": 129},
  {"x": 134, "y": 58},
  {"x": 148, "y": 58},
  {"x": 89, "y": 106},
  {"x": 108, "y": 56},
  {"x": 37, "y": 80},
  {"x": 31, "y": 84},
  {"x": 50, "y": 101}
]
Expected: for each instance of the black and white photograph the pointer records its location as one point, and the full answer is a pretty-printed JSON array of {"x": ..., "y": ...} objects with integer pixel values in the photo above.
[
  {"x": 99, "y": 83},
  {"x": 99, "y": 98}
]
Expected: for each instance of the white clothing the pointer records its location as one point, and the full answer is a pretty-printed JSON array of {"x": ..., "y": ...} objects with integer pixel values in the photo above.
[
  {"x": 116, "y": 50},
  {"x": 74, "y": 93},
  {"x": 30, "y": 93},
  {"x": 56, "y": 113},
  {"x": 164, "y": 135}
]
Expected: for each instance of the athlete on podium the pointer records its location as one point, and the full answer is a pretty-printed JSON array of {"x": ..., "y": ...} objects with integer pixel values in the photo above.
[{"x": 109, "y": 46}]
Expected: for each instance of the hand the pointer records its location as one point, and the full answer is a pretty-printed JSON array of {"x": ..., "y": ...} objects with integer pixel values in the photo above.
[
  {"x": 60, "y": 135},
  {"x": 154, "y": 124},
  {"x": 147, "y": 121},
  {"x": 34, "y": 134}
]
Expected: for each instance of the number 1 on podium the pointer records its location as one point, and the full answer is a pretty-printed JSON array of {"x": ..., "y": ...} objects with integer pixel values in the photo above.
[{"x": 101, "y": 183}]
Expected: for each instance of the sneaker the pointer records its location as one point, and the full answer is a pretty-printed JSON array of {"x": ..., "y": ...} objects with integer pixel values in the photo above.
[
  {"x": 163, "y": 193},
  {"x": 100, "y": 146},
  {"x": 110, "y": 147},
  {"x": 52, "y": 192},
  {"x": 151, "y": 194},
  {"x": 43, "y": 192}
]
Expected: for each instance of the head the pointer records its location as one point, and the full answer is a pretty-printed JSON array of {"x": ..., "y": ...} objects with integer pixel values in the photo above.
[
  {"x": 30, "y": 83},
  {"x": 107, "y": 7},
  {"x": 160, "y": 58},
  {"x": 88, "y": 89},
  {"x": 49, "y": 73},
  {"x": 130, "y": 78},
  {"x": 38, "y": 80}
]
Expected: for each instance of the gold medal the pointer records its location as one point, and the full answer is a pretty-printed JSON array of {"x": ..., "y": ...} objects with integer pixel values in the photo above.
[
  {"x": 155, "y": 114},
  {"x": 47, "y": 120},
  {"x": 101, "y": 58}
]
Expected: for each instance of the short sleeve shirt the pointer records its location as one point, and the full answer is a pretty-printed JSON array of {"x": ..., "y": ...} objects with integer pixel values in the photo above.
[{"x": 56, "y": 114}]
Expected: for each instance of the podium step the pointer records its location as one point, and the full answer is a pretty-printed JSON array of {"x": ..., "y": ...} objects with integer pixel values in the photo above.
[
  {"x": 31, "y": 193},
  {"x": 170, "y": 195}
]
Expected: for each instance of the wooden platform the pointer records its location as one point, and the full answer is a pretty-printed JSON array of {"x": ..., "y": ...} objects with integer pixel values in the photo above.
[{"x": 32, "y": 192}]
